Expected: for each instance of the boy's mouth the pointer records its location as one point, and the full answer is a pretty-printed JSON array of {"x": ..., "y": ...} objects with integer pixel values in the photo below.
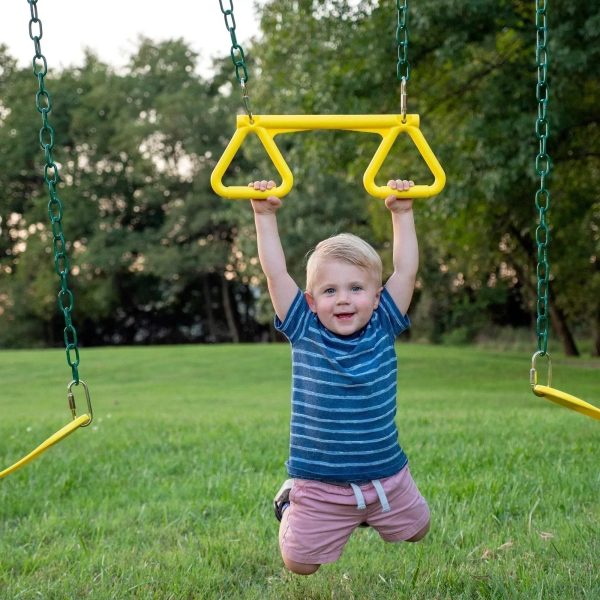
[{"x": 344, "y": 315}]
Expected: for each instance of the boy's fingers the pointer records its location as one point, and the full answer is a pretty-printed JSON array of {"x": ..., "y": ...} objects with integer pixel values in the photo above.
[
  {"x": 400, "y": 184},
  {"x": 403, "y": 184},
  {"x": 262, "y": 185}
]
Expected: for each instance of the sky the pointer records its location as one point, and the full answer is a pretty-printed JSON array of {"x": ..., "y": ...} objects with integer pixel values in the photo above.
[{"x": 112, "y": 27}]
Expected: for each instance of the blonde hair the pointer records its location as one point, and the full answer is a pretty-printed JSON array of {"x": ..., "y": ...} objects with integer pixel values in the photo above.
[{"x": 348, "y": 248}]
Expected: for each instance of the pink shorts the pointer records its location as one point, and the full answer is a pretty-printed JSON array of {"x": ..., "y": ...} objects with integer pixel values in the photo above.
[{"x": 321, "y": 516}]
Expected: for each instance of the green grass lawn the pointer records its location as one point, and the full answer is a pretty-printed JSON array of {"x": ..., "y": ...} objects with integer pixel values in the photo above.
[{"x": 168, "y": 493}]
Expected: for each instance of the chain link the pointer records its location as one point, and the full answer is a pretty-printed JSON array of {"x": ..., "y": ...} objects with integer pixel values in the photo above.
[
  {"x": 237, "y": 55},
  {"x": 543, "y": 166},
  {"x": 43, "y": 103},
  {"x": 403, "y": 66}
]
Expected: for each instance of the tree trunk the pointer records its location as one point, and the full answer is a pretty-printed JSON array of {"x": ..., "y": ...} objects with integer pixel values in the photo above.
[
  {"x": 596, "y": 346},
  {"x": 557, "y": 316},
  {"x": 210, "y": 315},
  {"x": 228, "y": 309},
  {"x": 559, "y": 322}
]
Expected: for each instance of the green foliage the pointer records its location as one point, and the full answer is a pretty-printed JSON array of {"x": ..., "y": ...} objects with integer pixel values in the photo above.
[{"x": 145, "y": 234}]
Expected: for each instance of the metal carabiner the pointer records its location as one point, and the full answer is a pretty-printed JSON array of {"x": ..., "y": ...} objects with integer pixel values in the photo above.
[
  {"x": 246, "y": 100},
  {"x": 533, "y": 372},
  {"x": 71, "y": 400},
  {"x": 403, "y": 97}
]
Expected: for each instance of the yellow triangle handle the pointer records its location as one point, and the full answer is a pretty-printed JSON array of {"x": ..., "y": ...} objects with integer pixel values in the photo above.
[
  {"x": 241, "y": 192},
  {"x": 417, "y": 191},
  {"x": 266, "y": 127}
]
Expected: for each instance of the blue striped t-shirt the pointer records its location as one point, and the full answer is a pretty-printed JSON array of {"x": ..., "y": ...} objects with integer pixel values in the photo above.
[{"x": 344, "y": 396}]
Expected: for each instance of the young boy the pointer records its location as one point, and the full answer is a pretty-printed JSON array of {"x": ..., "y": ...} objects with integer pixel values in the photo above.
[{"x": 346, "y": 464}]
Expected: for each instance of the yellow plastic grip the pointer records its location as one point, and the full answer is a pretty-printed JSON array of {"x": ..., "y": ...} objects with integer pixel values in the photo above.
[{"x": 266, "y": 127}]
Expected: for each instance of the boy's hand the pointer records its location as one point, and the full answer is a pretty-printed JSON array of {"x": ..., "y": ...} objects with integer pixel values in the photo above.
[
  {"x": 270, "y": 204},
  {"x": 399, "y": 205}
]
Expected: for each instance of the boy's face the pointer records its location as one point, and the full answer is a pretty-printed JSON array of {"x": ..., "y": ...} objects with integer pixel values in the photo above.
[{"x": 344, "y": 296}]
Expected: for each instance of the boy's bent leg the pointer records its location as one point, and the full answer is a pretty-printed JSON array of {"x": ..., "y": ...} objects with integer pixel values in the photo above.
[
  {"x": 292, "y": 565},
  {"x": 420, "y": 534},
  {"x": 409, "y": 517},
  {"x": 316, "y": 525}
]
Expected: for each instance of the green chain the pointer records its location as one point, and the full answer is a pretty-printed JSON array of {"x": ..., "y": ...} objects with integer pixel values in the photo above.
[
  {"x": 43, "y": 103},
  {"x": 403, "y": 66},
  {"x": 543, "y": 166},
  {"x": 237, "y": 55}
]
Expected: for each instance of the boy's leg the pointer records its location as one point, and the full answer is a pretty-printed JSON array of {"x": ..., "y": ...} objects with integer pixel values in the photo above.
[
  {"x": 408, "y": 519},
  {"x": 292, "y": 565},
  {"x": 420, "y": 534},
  {"x": 317, "y": 524}
]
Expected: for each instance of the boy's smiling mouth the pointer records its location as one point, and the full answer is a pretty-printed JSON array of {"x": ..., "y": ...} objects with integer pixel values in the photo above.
[{"x": 344, "y": 315}]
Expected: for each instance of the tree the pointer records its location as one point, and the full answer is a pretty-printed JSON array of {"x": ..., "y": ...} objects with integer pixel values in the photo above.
[{"x": 150, "y": 244}]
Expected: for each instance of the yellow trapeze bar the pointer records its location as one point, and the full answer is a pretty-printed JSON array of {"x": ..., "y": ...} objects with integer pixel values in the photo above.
[
  {"x": 566, "y": 400},
  {"x": 266, "y": 127},
  {"x": 53, "y": 439}
]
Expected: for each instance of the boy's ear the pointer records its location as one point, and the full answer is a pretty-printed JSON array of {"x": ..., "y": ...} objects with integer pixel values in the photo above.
[
  {"x": 310, "y": 301},
  {"x": 378, "y": 297}
]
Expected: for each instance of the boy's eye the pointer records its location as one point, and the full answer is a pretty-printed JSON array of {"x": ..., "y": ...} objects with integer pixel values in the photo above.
[
  {"x": 356, "y": 288},
  {"x": 329, "y": 291}
]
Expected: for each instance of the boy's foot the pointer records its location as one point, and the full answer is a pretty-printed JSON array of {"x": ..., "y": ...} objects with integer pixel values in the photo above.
[{"x": 282, "y": 498}]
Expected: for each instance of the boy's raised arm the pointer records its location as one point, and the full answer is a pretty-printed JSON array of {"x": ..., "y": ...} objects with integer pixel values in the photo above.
[
  {"x": 282, "y": 288},
  {"x": 401, "y": 284}
]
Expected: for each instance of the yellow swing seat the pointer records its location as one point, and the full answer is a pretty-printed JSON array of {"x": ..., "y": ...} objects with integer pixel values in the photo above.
[
  {"x": 557, "y": 396},
  {"x": 266, "y": 127},
  {"x": 78, "y": 421},
  {"x": 567, "y": 400}
]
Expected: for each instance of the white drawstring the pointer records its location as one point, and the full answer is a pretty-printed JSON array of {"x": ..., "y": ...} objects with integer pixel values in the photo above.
[
  {"x": 385, "y": 505},
  {"x": 360, "y": 499}
]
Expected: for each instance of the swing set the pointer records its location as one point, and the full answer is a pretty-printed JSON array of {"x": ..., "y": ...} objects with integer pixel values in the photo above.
[
  {"x": 43, "y": 103},
  {"x": 266, "y": 128}
]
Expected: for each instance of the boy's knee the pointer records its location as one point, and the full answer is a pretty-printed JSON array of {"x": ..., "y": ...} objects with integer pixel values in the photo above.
[
  {"x": 420, "y": 534},
  {"x": 300, "y": 568}
]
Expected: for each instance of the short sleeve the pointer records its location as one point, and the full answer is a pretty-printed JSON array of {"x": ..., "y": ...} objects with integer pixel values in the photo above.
[
  {"x": 391, "y": 314},
  {"x": 296, "y": 319}
]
